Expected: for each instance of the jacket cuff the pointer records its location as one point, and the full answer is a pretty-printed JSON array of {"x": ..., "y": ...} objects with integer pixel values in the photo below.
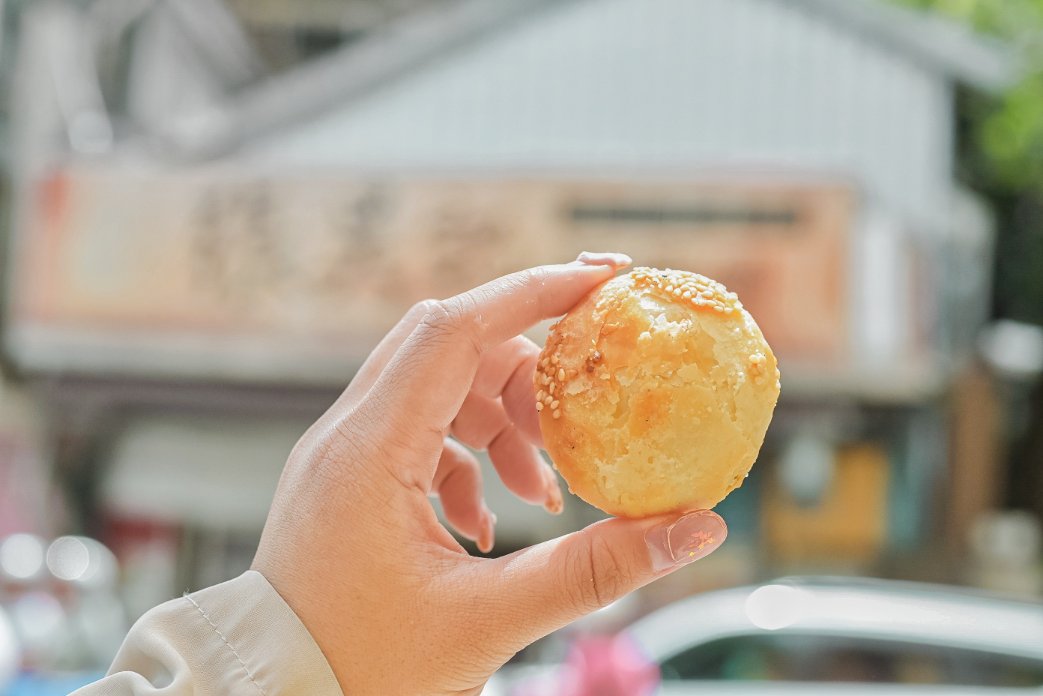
[{"x": 263, "y": 637}]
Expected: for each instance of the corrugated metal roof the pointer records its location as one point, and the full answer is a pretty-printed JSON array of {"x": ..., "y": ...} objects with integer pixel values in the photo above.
[
  {"x": 937, "y": 45},
  {"x": 655, "y": 85},
  {"x": 945, "y": 46},
  {"x": 334, "y": 79}
]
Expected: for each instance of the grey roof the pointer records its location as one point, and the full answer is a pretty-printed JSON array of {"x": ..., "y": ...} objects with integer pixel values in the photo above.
[
  {"x": 343, "y": 74},
  {"x": 951, "y": 48},
  {"x": 944, "y": 46}
]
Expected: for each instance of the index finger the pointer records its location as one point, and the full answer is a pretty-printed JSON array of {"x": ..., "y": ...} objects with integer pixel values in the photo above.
[{"x": 429, "y": 376}]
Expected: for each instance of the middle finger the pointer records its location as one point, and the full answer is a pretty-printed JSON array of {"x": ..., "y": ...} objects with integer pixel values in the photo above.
[{"x": 482, "y": 424}]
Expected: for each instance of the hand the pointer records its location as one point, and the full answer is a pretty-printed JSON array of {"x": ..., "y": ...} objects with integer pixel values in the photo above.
[{"x": 354, "y": 547}]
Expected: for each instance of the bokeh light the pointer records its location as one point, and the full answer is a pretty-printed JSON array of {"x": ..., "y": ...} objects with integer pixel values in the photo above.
[
  {"x": 9, "y": 652},
  {"x": 38, "y": 619},
  {"x": 772, "y": 607},
  {"x": 22, "y": 556},
  {"x": 68, "y": 558}
]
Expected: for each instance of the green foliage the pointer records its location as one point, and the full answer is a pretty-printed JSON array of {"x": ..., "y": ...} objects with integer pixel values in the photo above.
[
  {"x": 1001, "y": 149},
  {"x": 1006, "y": 18},
  {"x": 1009, "y": 131}
]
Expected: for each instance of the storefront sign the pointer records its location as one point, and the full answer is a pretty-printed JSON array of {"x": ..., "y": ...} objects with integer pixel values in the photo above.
[{"x": 242, "y": 275}]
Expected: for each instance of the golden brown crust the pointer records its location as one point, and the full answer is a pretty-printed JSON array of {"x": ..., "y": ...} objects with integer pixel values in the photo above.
[{"x": 655, "y": 392}]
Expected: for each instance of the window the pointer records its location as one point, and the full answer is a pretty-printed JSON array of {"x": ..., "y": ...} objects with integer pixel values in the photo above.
[{"x": 665, "y": 214}]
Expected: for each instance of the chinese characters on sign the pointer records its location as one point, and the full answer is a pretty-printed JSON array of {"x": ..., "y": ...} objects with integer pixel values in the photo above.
[{"x": 317, "y": 268}]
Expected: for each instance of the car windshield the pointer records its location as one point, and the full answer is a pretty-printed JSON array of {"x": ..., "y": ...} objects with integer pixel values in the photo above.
[{"x": 820, "y": 658}]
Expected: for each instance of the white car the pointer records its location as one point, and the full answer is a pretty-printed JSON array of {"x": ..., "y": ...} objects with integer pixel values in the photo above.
[{"x": 824, "y": 636}]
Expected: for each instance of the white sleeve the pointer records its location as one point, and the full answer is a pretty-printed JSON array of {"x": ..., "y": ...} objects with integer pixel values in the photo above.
[{"x": 236, "y": 638}]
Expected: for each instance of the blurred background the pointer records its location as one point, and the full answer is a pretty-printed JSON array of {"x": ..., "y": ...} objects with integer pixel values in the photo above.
[{"x": 212, "y": 209}]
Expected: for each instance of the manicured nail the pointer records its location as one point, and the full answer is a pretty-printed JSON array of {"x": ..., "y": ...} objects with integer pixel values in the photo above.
[
  {"x": 616, "y": 260},
  {"x": 486, "y": 536},
  {"x": 685, "y": 540},
  {"x": 554, "y": 503}
]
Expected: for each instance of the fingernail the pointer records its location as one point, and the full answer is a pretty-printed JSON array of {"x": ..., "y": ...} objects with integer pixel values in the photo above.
[
  {"x": 486, "y": 536},
  {"x": 685, "y": 540},
  {"x": 554, "y": 503},
  {"x": 616, "y": 260}
]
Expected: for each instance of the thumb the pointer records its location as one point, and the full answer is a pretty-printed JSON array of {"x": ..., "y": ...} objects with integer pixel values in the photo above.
[{"x": 544, "y": 587}]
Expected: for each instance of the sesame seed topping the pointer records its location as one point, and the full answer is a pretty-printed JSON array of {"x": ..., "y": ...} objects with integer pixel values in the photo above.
[
  {"x": 689, "y": 288},
  {"x": 550, "y": 374},
  {"x": 539, "y": 405}
]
